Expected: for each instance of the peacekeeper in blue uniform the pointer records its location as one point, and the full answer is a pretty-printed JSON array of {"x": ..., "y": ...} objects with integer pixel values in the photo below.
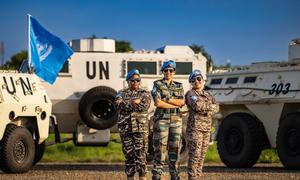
[
  {"x": 133, "y": 104},
  {"x": 168, "y": 97}
]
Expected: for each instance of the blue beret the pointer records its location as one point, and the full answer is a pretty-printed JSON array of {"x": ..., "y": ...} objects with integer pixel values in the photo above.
[
  {"x": 168, "y": 64},
  {"x": 131, "y": 73},
  {"x": 194, "y": 74}
]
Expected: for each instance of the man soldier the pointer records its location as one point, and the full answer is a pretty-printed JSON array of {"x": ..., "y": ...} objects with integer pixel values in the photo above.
[
  {"x": 133, "y": 104},
  {"x": 201, "y": 106},
  {"x": 168, "y": 97}
]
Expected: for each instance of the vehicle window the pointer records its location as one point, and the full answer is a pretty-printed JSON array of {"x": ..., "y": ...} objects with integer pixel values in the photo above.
[
  {"x": 216, "y": 81},
  {"x": 250, "y": 79},
  {"x": 65, "y": 68},
  {"x": 232, "y": 80},
  {"x": 143, "y": 67},
  {"x": 184, "y": 67}
]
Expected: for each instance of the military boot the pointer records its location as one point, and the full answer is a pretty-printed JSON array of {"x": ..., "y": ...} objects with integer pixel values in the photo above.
[
  {"x": 174, "y": 176},
  {"x": 142, "y": 178},
  {"x": 130, "y": 177}
]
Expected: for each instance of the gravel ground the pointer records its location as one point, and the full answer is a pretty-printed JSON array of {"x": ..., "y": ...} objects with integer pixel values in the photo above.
[{"x": 106, "y": 171}]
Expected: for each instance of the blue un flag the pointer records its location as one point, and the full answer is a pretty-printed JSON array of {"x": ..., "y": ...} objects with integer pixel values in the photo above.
[{"x": 47, "y": 53}]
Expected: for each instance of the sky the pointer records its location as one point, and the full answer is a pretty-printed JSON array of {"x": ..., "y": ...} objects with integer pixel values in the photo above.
[{"x": 235, "y": 31}]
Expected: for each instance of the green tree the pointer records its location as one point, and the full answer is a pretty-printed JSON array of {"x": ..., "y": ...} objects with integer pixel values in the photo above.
[
  {"x": 15, "y": 60},
  {"x": 123, "y": 46},
  {"x": 200, "y": 49},
  {"x": 93, "y": 36}
]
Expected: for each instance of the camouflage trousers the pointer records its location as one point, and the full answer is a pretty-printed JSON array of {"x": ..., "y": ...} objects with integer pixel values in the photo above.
[
  {"x": 135, "y": 146},
  {"x": 166, "y": 138},
  {"x": 197, "y": 143}
]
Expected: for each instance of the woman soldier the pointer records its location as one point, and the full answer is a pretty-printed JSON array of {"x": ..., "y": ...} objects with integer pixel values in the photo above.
[
  {"x": 201, "y": 106},
  {"x": 133, "y": 103}
]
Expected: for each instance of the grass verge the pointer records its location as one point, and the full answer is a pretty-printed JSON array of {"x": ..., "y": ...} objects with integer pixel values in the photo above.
[{"x": 68, "y": 152}]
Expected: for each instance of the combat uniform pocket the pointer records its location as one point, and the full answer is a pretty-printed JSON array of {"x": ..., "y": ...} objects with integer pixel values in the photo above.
[
  {"x": 176, "y": 121},
  {"x": 140, "y": 122},
  {"x": 123, "y": 126}
]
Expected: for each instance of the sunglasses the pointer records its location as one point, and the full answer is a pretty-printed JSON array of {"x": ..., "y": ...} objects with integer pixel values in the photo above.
[
  {"x": 199, "y": 79},
  {"x": 135, "y": 80},
  {"x": 170, "y": 70}
]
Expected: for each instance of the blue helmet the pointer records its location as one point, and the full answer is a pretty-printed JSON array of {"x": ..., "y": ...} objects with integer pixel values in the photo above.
[
  {"x": 168, "y": 64},
  {"x": 194, "y": 74},
  {"x": 131, "y": 73}
]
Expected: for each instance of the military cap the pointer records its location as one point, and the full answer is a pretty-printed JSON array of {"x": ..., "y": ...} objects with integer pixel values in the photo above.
[
  {"x": 195, "y": 73},
  {"x": 131, "y": 73},
  {"x": 168, "y": 64}
]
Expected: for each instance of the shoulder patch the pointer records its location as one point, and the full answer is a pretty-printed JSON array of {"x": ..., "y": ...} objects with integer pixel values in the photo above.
[
  {"x": 194, "y": 98},
  {"x": 120, "y": 94}
]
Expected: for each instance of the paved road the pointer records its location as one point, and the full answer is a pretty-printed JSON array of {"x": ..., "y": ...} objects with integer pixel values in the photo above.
[{"x": 106, "y": 171}]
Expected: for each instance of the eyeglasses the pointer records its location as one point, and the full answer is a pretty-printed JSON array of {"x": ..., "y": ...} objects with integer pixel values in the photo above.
[
  {"x": 170, "y": 70},
  {"x": 135, "y": 80},
  {"x": 199, "y": 79}
]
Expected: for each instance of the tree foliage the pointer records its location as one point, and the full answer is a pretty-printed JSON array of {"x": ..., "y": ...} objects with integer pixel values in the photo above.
[
  {"x": 15, "y": 61},
  {"x": 224, "y": 67},
  {"x": 200, "y": 49},
  {"x": 123, "y": 46}
]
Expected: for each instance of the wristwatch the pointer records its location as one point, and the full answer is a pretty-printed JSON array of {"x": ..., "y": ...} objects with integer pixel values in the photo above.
[{"x": 167, "y": 99}]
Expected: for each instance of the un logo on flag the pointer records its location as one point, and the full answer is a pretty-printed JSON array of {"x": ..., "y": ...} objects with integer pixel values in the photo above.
[{"x": 44, "y": 50}]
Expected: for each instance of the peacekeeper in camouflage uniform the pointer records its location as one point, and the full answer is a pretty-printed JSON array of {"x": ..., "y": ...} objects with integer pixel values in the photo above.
[
  {"x": 201, "y": 107},
  {"x": 168, "y": 96},
  {"x": 133, "y": 104}
]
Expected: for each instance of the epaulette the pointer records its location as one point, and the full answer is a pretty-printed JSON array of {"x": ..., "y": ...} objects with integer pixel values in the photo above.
[
  {"x": 142, "y": 90},
  {"x": 178, "y": 84},
  {"x": 158, "y": 82}
]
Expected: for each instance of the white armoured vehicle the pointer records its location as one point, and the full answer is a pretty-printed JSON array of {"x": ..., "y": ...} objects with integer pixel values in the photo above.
[
  {"x": 83, "y": 94},
  {"x": 25, "y": 111},
  {"x": 259, "y": 109}
]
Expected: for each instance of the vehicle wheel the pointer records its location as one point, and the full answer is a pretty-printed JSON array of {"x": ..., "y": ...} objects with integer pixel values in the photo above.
[
  {"x": 97, "y": 108},
  {"x": 18, "y": 150},
  {"x": 240, "y": 140},
  {"x": 39, "y": 152},
  {"x": 288, "y": 141}
]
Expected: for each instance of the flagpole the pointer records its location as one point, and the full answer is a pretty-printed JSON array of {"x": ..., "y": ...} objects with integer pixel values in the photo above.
[{"x": 29, "y": 48}]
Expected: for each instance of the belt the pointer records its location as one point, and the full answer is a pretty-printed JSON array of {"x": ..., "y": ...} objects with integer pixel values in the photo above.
[{"x": 171, "y": 111}]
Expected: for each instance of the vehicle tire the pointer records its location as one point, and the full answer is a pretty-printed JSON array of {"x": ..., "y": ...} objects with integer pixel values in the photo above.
[
  {"x": 240, "y": 139},
  {"x": 39, "y": 152},
  {"x": 18, "y": 150},
  {"x": 288, "y": 141},
  {"x": 97, "y": 108}
]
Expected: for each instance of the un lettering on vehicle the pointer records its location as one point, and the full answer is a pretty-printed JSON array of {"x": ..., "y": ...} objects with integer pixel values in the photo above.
[
  {"x": 94, "y": 68},
  {"x": 11, "y": 84}
]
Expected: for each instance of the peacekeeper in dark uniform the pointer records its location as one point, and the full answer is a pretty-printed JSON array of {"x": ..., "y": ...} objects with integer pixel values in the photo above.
[
  {"x": 168, "y": 96},
  {"x": 201, "y": 107},
  {"x": 133, "y": 104}
]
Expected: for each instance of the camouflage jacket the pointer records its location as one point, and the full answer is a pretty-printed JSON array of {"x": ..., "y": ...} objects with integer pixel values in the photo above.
[
  {"x": 161, "y": 90},
  {"x": 133, "y": 118},
  {"x": 201, "y": 106}
]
